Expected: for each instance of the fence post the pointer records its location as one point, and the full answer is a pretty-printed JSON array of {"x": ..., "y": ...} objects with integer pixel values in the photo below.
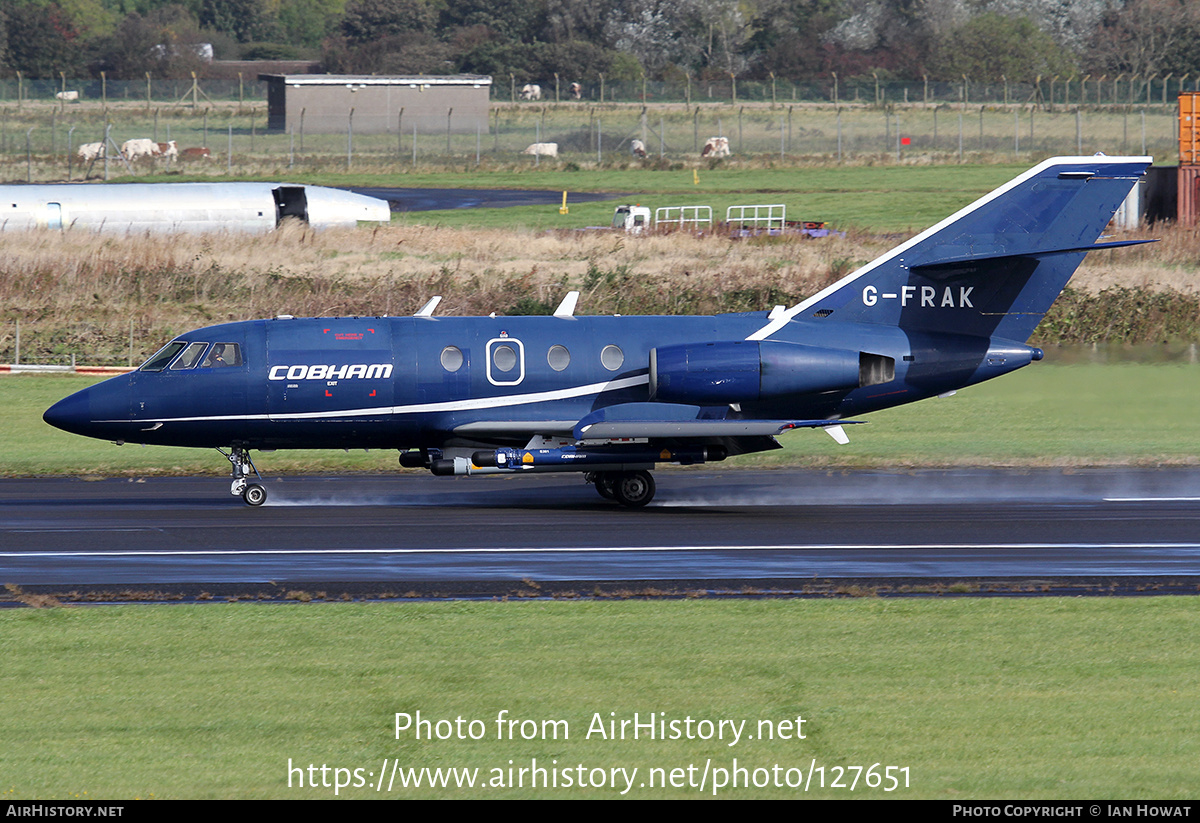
[
  {"x": 400, "y": 133},
  {"x": 449, "y": 114},
  {"x": 839, "y": 132},
  {"x": 70, "y": 142},
  {"x": 29, "y": 156},
  {"x": 350, "y": 138},
  {"x": 229, "y": 147},
  {"x": 302, "y": 129},
  {"x": 63, "y": 102},
  {"x": 1078, "y": 133},
  {"x": 21, "y": 89},
  {"x": 147, "y": 91}
]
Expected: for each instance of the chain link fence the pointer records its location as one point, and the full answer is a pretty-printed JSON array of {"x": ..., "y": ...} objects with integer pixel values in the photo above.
[{"x": 41, "y": 142}]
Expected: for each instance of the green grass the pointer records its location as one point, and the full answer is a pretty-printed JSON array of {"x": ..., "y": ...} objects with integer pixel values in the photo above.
[
  {"x": 1046, "y": 698},
  {"x": 1085, "y": 414},
  {"x": 872, "y": 198}
]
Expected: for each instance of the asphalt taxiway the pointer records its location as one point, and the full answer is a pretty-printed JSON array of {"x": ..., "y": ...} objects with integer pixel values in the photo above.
[{"x": 706, "y": 530}]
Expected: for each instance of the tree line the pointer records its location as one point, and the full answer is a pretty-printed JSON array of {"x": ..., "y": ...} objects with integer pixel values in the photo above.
[{"x": 624, "y": 40}]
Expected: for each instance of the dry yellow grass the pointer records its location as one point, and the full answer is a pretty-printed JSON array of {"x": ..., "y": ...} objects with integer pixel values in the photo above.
[{"x": 76, "y": 292}]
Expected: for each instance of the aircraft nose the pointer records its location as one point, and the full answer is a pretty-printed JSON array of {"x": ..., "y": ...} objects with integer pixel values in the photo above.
[
  {"x": 98, "y": 411},
  {"x": 71, "y": 414}
]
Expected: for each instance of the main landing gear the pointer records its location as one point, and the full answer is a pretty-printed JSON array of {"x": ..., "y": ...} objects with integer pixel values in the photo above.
[
  {"x": 633, "y": 490},
  {"x": 253, "y": 493}
]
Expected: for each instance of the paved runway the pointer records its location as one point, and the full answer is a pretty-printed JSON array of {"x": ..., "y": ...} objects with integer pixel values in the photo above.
[{"x": 706, "y": 530}]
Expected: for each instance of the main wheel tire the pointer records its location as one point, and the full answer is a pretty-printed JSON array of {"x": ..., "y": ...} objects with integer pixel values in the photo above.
[
  {"x": 254, "y": 495},
  {"x": 634, "y": 489},
  {"x": 606, "y": 485}
]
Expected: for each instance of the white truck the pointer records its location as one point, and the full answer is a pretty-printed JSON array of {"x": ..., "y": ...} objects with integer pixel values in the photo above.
[{"x": 632, "y": 219}]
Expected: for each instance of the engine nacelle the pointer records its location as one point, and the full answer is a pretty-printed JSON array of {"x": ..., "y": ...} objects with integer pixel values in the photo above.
[{"x": 737, "y": 371}]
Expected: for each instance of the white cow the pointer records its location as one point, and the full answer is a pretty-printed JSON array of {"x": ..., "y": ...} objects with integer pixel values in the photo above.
[
  {"x": 715, "y": 147},
  {"x": 542, "y": 149},
  {"x": 637, "y": 148},
  {"x": 90, "y": 151},
  {"x": 139, "y": 147},
  {"x": 66, "y": 95},
  {"x": 531, "y": 92},
  {"x": 168, "y": 150}
]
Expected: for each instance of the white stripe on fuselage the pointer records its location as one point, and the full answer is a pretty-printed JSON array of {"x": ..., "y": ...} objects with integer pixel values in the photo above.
[{"x": 420, "y": 408}]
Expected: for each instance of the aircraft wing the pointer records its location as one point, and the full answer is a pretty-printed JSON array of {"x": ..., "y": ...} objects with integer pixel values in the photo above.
[{"x": 657, "y": 420}]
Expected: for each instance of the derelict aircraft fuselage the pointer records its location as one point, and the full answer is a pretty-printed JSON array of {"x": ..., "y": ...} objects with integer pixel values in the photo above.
[{"x": 613, "y": 396}]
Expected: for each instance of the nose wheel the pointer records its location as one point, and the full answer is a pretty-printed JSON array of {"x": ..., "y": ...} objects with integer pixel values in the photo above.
[{"x": 254, "y": 494}]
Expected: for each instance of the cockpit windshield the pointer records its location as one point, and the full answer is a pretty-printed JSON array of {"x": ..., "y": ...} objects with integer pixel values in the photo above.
[
  {"x": 190, "y": 357},
  {"x": 219, "y": 355},
  {"x": 159, "y": 361}
]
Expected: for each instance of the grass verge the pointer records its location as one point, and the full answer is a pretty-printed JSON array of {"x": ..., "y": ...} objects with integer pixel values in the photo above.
[
  {"x": 977, "y": 698},
  {"x": 1044, "y": 415}
]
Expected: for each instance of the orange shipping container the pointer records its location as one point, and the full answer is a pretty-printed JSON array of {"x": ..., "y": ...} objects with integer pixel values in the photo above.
[{"x": 1189, "y": 128}]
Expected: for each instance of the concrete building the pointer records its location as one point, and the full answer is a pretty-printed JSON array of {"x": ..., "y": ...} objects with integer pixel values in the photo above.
[{"x": 321, "y": 103}]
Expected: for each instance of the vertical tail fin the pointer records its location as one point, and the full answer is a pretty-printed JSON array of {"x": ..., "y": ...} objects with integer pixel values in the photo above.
[{"x": 994, "y": 268}]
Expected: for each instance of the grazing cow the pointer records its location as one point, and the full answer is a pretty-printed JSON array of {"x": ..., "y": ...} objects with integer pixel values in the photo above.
[
  {"x": 716, "y": 147},
  {"x": 196, "y": 153},
  {"x": 139, "y": 147},
  {"x": 66, "y": 95},
  {"x": 90, "y": 151},
  {"x": 542, "y": 149},
  {"x": 168, "y": 150},
  {"x": 576, "y": 91},
  {"x": 637, "y": 148},
  {"x": 531, "y": 92}
]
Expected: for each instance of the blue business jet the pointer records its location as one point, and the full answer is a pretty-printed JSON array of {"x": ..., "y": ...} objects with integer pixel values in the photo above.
[{"x": 613, "y": 396}]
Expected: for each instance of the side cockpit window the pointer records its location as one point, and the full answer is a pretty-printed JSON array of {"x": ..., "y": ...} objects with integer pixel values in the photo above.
[
  {"x": 159, "y": 361},
  {"x": 223, "y": 354},
  {"x": 190, "y": 356}
]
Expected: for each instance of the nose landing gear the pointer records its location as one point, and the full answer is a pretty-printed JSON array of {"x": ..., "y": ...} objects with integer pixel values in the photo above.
[{"x": 254, "y": 494}]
